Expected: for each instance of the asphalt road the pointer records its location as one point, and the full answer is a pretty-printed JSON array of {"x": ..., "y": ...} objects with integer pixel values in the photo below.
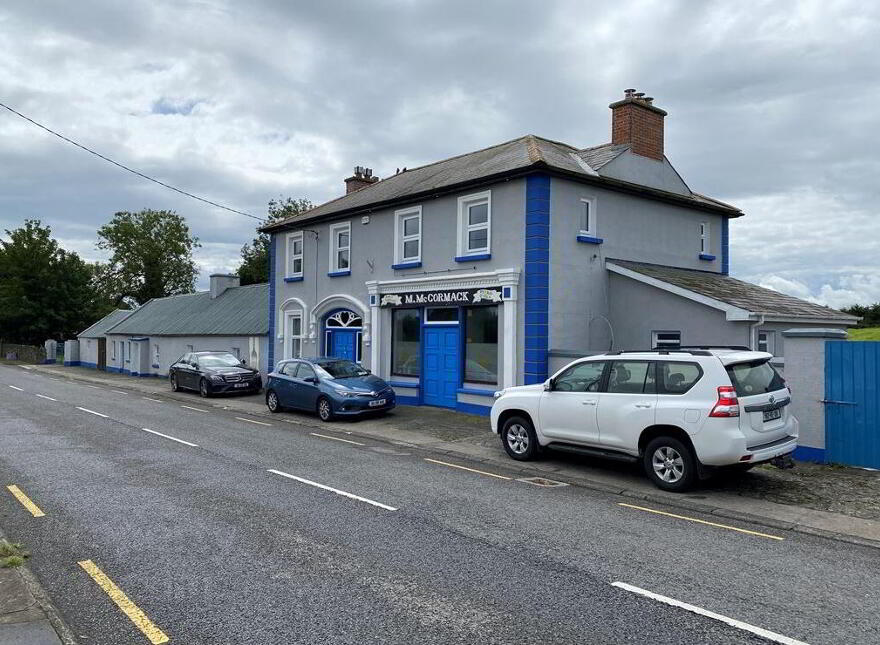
[{"x": 213, "y": 547}]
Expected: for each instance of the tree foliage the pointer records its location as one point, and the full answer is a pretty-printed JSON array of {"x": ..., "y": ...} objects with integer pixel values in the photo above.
[
  {"x": 45, "y": 291},
  {"x": 150, "y": 256},
  {"x": 870, "y": 314},
  {"x": 254, "y": 266}
]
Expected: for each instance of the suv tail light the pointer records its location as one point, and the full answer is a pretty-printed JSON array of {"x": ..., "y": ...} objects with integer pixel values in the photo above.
[{"x": 728, "y": 404}]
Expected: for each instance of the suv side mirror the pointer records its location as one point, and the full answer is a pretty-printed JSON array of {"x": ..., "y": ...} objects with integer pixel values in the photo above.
[{"x": 548, "y": 385}]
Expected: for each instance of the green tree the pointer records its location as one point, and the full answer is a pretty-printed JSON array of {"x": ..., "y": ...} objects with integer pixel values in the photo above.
[
  {"x": 870, "y": 314},
  {"x": 254, "y": 266},
  {"x": 150, "y": 256},
  {"x": 45, "y": 291}
]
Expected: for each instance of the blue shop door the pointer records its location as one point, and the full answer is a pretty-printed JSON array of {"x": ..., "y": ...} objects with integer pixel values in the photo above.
[
  {"x": 343, "y": 344},
  {"x": 440, "y": 374}
]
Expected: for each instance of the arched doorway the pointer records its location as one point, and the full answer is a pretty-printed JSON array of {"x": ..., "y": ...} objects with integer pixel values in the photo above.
[{"x": 343, "y": 335}]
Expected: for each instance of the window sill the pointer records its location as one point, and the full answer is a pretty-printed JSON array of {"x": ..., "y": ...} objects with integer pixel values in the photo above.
[
  {"x": 476, "y": 392},
  {"x": 473, "y": 258},
  {"x": 298, "y": 278},
  {"x": 339, "y": 274},
  {"x": 407, "y": 265},
  {"x": 411, "y": 384},
  {"x": 707, "y": 257},
  {"x": 589, "y": 239}
]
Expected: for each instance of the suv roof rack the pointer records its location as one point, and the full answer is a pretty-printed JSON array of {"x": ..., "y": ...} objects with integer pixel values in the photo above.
[
  {"x": 663, "y": 352},
  {"x": 736, "y": 347}
]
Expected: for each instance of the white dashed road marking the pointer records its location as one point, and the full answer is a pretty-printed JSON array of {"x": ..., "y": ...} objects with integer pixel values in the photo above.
[
  {"x": 194, "y": 445},
  {"x": 193, "y": 409},
  {"x": 759, "y": 631},
  {"x": 261, "y": 423},
  {"x": 16, "y": 388},
  {"x": 334, "y": 490},
  {"x": 48, "y": 398},
  {"x": 97, "y": 414},
  {"x": 154, "y": 400},
  {"x": 324, "y": 436}
]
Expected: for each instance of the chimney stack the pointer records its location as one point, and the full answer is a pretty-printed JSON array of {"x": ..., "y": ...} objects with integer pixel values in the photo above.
[
  {"x": 637, "y": 121},
  {"x": 361, "y": 178},
  {"x": 220, "y": 282}
]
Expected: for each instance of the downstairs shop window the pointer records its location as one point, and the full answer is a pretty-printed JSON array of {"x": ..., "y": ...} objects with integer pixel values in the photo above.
[
  {"x": 405, "y": 346},
  {"x": 481, "y": 345}
]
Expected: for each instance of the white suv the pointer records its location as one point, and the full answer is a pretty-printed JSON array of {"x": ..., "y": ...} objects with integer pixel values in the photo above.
[{"x": 681, "y": 412}]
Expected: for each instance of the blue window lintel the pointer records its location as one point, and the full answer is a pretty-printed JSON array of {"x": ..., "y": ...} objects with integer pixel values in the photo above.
[
  {"x": 339, "y": 274},
  {"x": 473, "y": 258},
  {"x": 407, "y": 265},
  {"x": 476, "y": 392},
  {"x": 298, "y": 278},
  {"x": 589, "y": 239}
]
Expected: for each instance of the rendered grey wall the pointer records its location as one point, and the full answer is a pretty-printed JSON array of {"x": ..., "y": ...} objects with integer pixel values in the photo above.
[
  {"x": 638, "y": 309},
  {"x": 636, "y": 169},
  {"x": 372, "y": 254},
  {"x": 631, "y": 228},
  {"x": 805, "y": 375}
]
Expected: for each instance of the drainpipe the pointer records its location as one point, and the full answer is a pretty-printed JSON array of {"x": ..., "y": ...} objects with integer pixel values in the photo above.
[{"x": 753, "y": 333}]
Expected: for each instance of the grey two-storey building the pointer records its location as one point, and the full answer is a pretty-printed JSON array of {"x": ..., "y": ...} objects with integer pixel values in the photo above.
[{"x": 493, "y": 268}]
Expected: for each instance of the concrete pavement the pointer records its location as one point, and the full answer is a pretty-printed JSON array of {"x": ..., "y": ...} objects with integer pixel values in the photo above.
[{"x": 210, "y": 546}]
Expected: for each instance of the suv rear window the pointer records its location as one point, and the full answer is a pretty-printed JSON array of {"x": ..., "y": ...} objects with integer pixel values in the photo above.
[
  {"x": 677, "y": 378},
  {"x": 756, "y": 377}
]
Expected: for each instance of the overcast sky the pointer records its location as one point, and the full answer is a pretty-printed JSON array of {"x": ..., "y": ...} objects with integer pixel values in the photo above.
[{"x": 773, "y": 106}]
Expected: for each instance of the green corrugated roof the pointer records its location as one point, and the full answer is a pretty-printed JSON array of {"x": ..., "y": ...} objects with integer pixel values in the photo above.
[
  {"x": 238, "y": 311},
  {"x": 100, "y": 328}
]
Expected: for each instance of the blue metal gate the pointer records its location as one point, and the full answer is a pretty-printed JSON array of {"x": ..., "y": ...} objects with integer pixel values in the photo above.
[{"x": 852, "y": 403}]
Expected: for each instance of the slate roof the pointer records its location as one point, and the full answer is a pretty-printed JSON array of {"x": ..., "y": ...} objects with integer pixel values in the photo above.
[
  {"x": 524, "y": 153},
  {"x": 238, "y": 311},
  {"x": 744, "y": 295},
  {"x": 98, "y": 329}
]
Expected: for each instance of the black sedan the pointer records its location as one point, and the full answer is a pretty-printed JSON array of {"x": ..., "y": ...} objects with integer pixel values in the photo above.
[{"x": 213, "y": 373}]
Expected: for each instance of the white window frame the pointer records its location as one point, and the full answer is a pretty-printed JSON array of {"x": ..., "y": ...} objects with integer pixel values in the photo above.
[
  {"x": 335, "y": 229},
  {"x": 425, "y": 320},
  {"x": 464, "y": 228},
  {"x": 705, "y": 239},
  {"x": 400, "y": 238},
  {"x": 156, "y": 353},
  {"x": 114, "y": 351},
  {"x": 769, "y": 341},
  {"x": 655, "y": 342},
  {"x": 289, "y": 337},
  {"x": 591, "y": 229},
  {"x": 290, "y": 238}
]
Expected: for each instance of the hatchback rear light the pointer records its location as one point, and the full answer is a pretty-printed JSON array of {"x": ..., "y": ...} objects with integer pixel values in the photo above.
[{"x": 727, "y": 405}]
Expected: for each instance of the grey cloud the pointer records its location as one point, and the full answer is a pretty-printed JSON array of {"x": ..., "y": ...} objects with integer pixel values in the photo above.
[{"x": 771, "y": 106}]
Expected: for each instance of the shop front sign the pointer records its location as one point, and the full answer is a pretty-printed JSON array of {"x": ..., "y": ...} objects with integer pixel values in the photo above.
[{"x": 445, "y": 297}]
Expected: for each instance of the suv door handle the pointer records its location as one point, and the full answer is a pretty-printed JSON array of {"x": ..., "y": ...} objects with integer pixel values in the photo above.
[
  {"x": 643, "y": 405},
  {"x": 588, "y": 403}
]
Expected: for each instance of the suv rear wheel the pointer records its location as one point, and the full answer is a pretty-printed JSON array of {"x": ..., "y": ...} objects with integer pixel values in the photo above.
[
  {"x": 519, "y": 439},
  {"x": 670, "y": 464}
]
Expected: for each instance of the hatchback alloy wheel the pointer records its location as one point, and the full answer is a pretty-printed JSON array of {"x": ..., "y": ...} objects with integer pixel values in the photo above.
[
  {"x": 325, "y": 412},
  {"x": 272, "y": 402}
]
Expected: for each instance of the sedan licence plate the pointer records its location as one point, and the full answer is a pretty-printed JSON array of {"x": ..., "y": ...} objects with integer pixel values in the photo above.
[
  {"x": 240, "y": 385},
  {"x": 770, "y": 415},
  {"x": 377, "y": 403}
]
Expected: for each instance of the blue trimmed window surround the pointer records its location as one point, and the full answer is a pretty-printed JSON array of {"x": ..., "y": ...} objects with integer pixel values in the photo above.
[
  {"x": 339, "y": 274},
  {"x": 475, "y": 392},
  {"x": 707, "y": 256},
  {"x": 271, "y": 357},
  {"x": 296, "y": 279},
  {"x": 537, "y": 277},
  {"x": 588, "y": 239},
  {"x": 406, "y": 265},
  {"x": 473, "y": 258}
]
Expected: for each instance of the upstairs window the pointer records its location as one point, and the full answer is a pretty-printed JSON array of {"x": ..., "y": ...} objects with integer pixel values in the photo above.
[
  {"x": 340, "y": 247},
  {"x": 665, "y": 339},
  {"x": 588, "y": 217},
  {"x": 408, "y": 236},
  {"x": 475, "y": 224},
  {"x": 295, "y": 255},
  {"x": 704, "y": 237}
]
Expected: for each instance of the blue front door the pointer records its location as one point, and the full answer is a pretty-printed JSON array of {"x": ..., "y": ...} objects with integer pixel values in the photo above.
[
  {"x": 342, "y": 344},
  {"x": 440, "y": 374}
]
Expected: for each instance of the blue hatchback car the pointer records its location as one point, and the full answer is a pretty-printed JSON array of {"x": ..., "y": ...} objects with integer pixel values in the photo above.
[{"x": 329, "y": 386}]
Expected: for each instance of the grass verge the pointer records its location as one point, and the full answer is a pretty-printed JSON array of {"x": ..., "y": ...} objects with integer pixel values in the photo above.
[
  {"x": 865, "y": 333},
  {"x": 12, "y": 554}
]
